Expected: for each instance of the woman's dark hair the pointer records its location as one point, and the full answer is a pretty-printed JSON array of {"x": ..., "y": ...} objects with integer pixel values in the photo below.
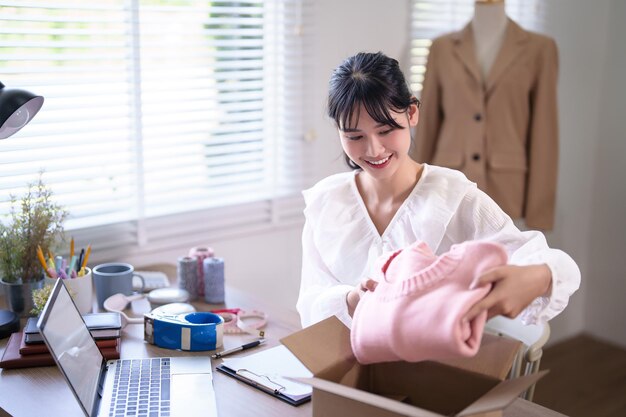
[{"x": 373, "y": 80}]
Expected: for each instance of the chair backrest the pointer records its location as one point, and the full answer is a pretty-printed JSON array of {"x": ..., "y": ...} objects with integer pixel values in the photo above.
[{"x": 533, "y": 336}]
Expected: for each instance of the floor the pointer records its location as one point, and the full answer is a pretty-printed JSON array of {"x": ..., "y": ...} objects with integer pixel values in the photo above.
[{"x": 587, "y": 378}]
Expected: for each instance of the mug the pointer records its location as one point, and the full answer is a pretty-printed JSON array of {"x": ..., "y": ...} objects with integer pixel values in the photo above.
[{"x": 113, "y": 278}]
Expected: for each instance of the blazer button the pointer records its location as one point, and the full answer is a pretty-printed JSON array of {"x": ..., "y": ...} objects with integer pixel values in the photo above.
[
  {"x": 478, "y": 117},
  {"x": 476, "y": 157}
]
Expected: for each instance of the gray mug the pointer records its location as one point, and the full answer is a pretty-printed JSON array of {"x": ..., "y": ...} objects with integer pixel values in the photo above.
[{"x": 113, "y": 278}]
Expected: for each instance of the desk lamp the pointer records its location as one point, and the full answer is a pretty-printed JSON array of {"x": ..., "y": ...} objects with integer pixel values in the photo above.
[{"x": 17, "y": 108}]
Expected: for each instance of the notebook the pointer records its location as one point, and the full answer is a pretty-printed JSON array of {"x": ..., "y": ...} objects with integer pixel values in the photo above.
[
  {"x": 266, "y": 370},
  {"x": 36, "y": 348},
  {"x": 103, "y": 326},
  {"x": 13, "y": 358},
  {"x": 178, "y": 386},
  {"x": 100, "y": 334}
]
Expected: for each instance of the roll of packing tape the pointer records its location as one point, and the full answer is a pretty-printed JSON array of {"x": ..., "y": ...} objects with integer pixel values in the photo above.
[
  {"x": 190, "y": 331},
  {"x": 201, "y": 253},
  {"x": 162, "y": 296},
  {"x": 187, "y": 276},
  {"x": 173, "y": 309}
]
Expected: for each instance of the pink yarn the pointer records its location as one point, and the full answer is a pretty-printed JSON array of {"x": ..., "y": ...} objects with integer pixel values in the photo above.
[
  {"x": 416, "y": 312},
  {"x": 201, "y": 253}
]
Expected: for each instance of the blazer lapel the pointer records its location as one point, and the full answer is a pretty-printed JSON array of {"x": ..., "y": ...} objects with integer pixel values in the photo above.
[
  {"x": 466, "y": 52},
  {"x": 514, "y": 41}
]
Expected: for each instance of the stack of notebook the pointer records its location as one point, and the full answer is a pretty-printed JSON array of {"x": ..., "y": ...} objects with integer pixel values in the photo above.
[{"x": 27, "y": 348}]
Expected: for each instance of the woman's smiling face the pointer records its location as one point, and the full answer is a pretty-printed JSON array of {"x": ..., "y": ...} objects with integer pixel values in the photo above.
[{"x": 379, "y": 149}]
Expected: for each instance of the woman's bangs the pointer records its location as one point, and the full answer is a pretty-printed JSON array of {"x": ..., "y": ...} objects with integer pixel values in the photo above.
[
  {"x": 378, "y": 109},
  {"x": 347, "y": 116},
  {"x": 348, "y": 112}
]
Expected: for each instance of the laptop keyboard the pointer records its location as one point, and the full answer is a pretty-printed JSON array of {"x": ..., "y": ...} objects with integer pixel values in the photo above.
[{"x": 141, "y": 388}]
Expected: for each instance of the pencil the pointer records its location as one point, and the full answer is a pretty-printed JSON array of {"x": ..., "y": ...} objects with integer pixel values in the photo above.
[
  {"x": 86, "y": 256},
  {"x": 42, "y": 261},
  {"x": 72, "y": 247}
]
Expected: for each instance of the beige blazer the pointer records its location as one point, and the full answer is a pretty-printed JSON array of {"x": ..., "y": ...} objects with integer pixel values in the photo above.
[{"x": 503, "y": 132}]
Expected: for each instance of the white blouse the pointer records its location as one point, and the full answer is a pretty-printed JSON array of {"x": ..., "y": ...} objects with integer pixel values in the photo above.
[{"x": 340, "y": 242}]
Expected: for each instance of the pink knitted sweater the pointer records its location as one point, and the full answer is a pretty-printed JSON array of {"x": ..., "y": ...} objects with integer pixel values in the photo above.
[{"x": 416, "y": 312}]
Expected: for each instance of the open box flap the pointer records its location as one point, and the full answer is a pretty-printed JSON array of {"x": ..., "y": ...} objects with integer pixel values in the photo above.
[
  {"x": 324, "y": 348},
  {"x": 494, "y": 358},
  {"x": 502, "y": 394},
  {"x": 366, "y": 397}
]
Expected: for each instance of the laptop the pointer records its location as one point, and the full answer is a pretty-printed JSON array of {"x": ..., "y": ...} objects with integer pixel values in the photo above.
[{"x": 143, "y": 387}]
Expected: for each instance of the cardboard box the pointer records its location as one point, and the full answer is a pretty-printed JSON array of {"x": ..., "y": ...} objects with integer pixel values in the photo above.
[{"x": 459, "y": 387}]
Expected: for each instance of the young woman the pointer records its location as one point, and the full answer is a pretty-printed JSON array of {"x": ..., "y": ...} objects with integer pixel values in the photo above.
[{"x": 389, "y": 201}]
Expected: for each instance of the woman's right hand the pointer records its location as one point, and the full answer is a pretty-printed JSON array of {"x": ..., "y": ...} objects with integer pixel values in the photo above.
[{"x": 354, "y": 296}]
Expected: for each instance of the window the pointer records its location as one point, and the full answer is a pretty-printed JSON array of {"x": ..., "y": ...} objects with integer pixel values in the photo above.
[
  {"x": 432, "y": 18},
  {"x": 161, "y": 117}
]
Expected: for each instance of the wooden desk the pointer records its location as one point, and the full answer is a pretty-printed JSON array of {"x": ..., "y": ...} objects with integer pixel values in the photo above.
[{"x": 43, "y": 391}]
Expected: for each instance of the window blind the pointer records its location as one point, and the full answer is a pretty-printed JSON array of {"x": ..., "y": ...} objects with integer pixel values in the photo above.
[
  {"x": 432, "y": 18},
  {"x": 181, "y": 115}
]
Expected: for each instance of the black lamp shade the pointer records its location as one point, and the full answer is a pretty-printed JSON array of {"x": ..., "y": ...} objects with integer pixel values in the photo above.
[
  {"x": 17, "y": 108},
  {"x": 9, "y": 323}
]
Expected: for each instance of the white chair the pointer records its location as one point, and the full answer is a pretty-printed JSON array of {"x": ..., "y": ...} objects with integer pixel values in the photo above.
[{"x": 533, "y": 336}]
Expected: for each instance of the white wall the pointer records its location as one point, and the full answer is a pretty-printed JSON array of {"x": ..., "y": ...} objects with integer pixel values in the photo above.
[
  {"x": 606, "y": 288},
  {"x": 582, "y": 54},
  {"x": 592, "y": 191},
  {"x": 591, "y": 96}
]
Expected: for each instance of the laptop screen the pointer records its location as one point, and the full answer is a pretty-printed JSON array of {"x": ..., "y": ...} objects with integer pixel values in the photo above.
[{"x": 72, "y": 346}]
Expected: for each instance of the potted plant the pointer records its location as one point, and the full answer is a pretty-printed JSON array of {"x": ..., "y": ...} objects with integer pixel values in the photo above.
[{"x": 34, "y": 220}]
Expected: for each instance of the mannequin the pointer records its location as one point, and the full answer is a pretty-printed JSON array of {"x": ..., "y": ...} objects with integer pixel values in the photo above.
[
  {"x": 489, "y": 27},
  {"x": 489, "y": 110}
]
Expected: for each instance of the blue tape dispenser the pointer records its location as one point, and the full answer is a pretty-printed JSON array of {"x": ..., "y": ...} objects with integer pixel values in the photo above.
[{"x": 189, "y": 331}]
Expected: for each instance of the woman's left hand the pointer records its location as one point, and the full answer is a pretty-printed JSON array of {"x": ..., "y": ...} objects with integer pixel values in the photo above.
[{"x": 513, "y": 289}]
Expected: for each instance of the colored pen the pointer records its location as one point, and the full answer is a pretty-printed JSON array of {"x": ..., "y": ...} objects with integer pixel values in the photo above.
[
  {"x": 72, "y": 247},
  {"x": 86, "y": 258},
  {"x": 71, "y": 267},
  {"x": 80, "y": 259},
  {"x": 58, "y": 263},
  {"x": 238, "y": 349},
  {"x": 51, "y": 264}
]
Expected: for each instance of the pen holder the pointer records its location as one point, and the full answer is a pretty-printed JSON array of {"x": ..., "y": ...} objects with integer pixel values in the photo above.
[{"x": 81, "y": 290}]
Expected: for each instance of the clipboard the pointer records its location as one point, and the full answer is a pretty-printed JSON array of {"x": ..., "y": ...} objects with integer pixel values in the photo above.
[
  {"x": 262, "y": 383},
  {"x": 266, "y": 370}
]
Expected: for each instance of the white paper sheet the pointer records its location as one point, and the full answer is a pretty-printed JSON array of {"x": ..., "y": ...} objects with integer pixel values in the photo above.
[{"x": 274, "y": 364}]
